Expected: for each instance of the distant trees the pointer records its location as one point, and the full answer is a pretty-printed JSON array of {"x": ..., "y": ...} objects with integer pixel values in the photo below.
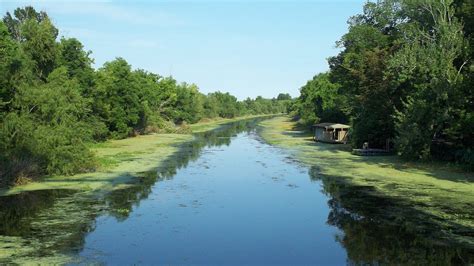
[
  {"x": 404, "y": 74},
  {"x": 283, "y": 97},
  {"x": 225, "y": 104},
  {"x": 268, "y": 106},
  {"x": 189, "y": 104},
  {"x": 53, "y": 102}
]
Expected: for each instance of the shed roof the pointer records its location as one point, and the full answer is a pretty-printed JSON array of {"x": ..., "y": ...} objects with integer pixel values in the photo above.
[{"x": 331, "y": 125}]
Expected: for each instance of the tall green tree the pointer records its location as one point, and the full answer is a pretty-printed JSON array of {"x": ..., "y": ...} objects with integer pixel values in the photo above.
[
  {"x": 426, "y": 65},
  {"x": 47, "y": 133},
  {"x": 14, "y": 69},
  {"x": 370, "y": 99},
  {"x": 37, "y": 37},
  {"x": 116, "y": 98},
  {"x": 320, "y": 101},
  {"x": 77, "y": 61}
]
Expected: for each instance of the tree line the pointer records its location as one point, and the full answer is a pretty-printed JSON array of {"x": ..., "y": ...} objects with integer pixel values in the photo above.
[
  {"x": 53, "y": 103},
  {"x": 404, "y": 74}
]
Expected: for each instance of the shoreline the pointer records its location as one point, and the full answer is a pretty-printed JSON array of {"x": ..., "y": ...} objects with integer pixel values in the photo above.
[
  {"x": 122, "y": 162},
  {"x": 57, "y": 211},
  {"x": 417, "y": 193}
]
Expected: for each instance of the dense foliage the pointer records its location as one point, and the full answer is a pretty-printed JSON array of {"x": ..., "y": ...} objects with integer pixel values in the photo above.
[
  {"x": 404, "y": 75},
  {"x": 53, "y": 102}
]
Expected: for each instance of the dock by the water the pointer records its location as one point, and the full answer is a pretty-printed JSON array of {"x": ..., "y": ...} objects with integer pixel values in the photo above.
[{"x": 371, "y": 152}]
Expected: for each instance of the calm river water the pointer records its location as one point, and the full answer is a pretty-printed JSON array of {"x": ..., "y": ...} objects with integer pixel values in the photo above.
[{"x": 227, "y": 198}]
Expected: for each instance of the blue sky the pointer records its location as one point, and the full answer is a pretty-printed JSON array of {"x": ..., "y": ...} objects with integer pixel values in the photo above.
[{"x": 247, "y": 48}]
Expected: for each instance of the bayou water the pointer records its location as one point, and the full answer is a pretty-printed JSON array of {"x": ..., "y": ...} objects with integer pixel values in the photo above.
[{"x": 225, "y": 198}]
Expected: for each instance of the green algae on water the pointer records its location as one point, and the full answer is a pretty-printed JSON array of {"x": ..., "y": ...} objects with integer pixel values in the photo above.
[{"x": 432, "y": 197}]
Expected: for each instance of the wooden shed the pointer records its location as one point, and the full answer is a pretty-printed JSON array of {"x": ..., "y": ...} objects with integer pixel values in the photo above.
[{"x": 331, "y": 132}]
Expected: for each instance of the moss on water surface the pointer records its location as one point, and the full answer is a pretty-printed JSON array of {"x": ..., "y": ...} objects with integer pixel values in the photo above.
[
  {"x": 45, "y": 222},
  {"x": 210, "y": 124},
  {"x": 432, "y": 197},
  {"x": 120, "y": 160},
  {"x": 47, "y": 228}
]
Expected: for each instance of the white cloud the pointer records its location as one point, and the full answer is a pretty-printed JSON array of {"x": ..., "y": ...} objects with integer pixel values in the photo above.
[{"x": 122, "y": 12}]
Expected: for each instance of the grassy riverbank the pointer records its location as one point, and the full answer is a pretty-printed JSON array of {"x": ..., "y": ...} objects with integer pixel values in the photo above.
[
  {"x": 436, "y": 196},
  {"x": 122, "y": 161},
  {"x": 42, "y": 226}
]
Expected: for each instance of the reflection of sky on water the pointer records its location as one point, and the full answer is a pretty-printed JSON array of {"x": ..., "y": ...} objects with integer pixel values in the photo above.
[
  {"x": 242, "y": 203},
  {"x": 226, "y": 197}
]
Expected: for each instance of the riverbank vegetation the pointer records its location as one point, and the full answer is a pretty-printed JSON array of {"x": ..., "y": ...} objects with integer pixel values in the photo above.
[
  {"x": 405, "y": 75},
  {"x": 42, "y": 222},
  {"x": 433, "y": 199},
  {"x": 54, "y": 104},
  {"x": 122, "y": 162}
]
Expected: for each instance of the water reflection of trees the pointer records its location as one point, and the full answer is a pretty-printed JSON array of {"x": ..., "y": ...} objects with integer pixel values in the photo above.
[
  {"x": 16, "y": 210},
  {"x": 58, "y": 220},
  {"x": 120, "y": 202},
  {"x": 45, "y": 222},
  {"x": 375, "y": 230}
]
